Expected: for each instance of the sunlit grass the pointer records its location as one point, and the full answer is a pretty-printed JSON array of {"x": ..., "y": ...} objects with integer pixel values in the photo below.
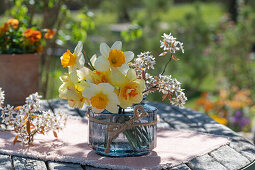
[{"x": 211, "y": 12}]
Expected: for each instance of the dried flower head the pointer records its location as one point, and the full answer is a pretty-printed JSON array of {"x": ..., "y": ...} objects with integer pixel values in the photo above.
[{"x": 30, "y": 120}]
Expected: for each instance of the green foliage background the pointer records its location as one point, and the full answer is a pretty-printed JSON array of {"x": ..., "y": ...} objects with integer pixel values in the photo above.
[{"x": 217, "y": 54}]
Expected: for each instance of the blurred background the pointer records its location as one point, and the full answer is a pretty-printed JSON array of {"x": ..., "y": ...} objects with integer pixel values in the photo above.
[{"x": 216, "y": 70}]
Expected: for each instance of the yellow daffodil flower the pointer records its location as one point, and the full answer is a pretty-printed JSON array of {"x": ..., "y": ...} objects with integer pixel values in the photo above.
[
  {"x": 113, "y": 58},
  {"x": 102, "y": 97},
  {"x": 71, "y": 89},
  {"x": 75, "y": 60},
  {"x": 130, "y": 88}
]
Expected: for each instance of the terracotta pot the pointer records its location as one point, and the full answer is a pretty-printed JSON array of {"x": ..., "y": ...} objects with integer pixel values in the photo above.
[{"x": 19, "y": 76}]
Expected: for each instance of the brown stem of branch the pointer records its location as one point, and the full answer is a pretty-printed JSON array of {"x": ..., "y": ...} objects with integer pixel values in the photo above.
[
  {"x": 164, "y": 70},
  {"x": 150, "y": 89}
]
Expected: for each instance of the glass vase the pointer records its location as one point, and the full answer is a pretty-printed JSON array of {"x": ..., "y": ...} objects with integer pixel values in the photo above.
[{"x": 136, "y": 139}]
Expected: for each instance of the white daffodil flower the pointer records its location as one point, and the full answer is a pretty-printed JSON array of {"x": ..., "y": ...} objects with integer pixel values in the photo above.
[
  {"x": 113, "y": 58},
  {"x": 102, "y": 97}
]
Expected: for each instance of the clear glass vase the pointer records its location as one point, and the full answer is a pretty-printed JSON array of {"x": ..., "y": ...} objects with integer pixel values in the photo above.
[{"x": 133, "y": 141}]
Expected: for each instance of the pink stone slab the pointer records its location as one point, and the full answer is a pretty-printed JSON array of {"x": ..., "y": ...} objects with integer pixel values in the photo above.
[{"x": 173, "y": 147}]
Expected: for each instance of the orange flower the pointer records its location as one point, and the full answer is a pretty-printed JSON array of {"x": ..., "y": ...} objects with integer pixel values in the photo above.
[
  {"x": 40, "y": 49},
  {"x": 205, "y": 94},
  {"x": 14, "y": 23},
  {"x": 32, "y": 35},
  {"x": 4, "y": 29},
  {"x": 50, "y": 34},
  {"x": 201, "y": 101},
  {"x": 208, "y": 106}
]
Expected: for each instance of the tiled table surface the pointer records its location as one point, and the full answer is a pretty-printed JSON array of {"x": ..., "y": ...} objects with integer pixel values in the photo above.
[{"x": 239, "y": 154}]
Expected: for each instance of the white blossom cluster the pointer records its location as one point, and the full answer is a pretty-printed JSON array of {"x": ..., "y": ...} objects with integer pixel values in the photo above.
[
  {"x": 143, "y": 62},
  {"x": 7, "y": 115},
  {"x": 29, "y": 120},
  {"x": 1, "y": 96},
  {"x": 169, "y": 44},
  {"x": 170, "y": 88},
  {"x": 150, "y": 82}
]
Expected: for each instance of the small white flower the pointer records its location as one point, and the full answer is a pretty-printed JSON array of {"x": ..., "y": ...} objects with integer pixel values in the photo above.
[
  {"x": 145, "y": 60},
  {"x": 1, "y": 96},
  {"x": 142, "y": 63},
  {"x": 33, "y": 101},
  {"x": 170, "y": 44}
]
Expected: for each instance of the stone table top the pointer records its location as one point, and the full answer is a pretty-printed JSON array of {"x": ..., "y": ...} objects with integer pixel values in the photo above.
[{"x": 239, "y": 154}]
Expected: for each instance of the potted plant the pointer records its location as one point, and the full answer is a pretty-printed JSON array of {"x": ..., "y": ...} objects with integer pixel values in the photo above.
[
  {"x": 120, "y": 124},
  {"x": 20, "y": 53}
]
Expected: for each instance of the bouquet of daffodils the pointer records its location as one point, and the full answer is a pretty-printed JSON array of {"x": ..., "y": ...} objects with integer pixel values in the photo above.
[
  {"x": 28, "y": 120},
  {"x": 115, "y": 80},
  {"x": 112, "y": 81}
]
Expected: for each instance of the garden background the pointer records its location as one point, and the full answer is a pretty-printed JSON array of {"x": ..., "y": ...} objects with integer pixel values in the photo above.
[{"x": 217, "y": 69}]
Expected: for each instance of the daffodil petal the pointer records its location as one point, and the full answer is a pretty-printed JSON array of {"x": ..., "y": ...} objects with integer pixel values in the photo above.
[
  {"x": 141, "y": 83},
  {"x": 112, "y": 107},
  {"x": 138, "y": 98},
  {"x": 117, "y": 78},
  {"x": 83, "y": 73},
  {"x": 93, "y": 59},
  {"x": 97, "y": 110},
  {"x": 90, "y": 92},
  {"x": 102, "y": 64},
  {"x": 81, "y": 60},
  {"x": 124, "y": 104},
  {"x": 106, "y": 88},
  {"x": 117, "y": 45},
  {"x": 104, "y": 49},
  {"x": 129, "y": 55},
  {"x": 131, "y": 75},
  {"x": 78, "y": 49},
  {"x": 73, "y": 77},
  {"x": 114, "y": 98},
  {"x": 64, "y": 77},
  {"x": 82, "y": 85},
  {"x": 79, "y": 56},
  {"x": 63, "y": 91},
  {"x": 124, "y": 68}
]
